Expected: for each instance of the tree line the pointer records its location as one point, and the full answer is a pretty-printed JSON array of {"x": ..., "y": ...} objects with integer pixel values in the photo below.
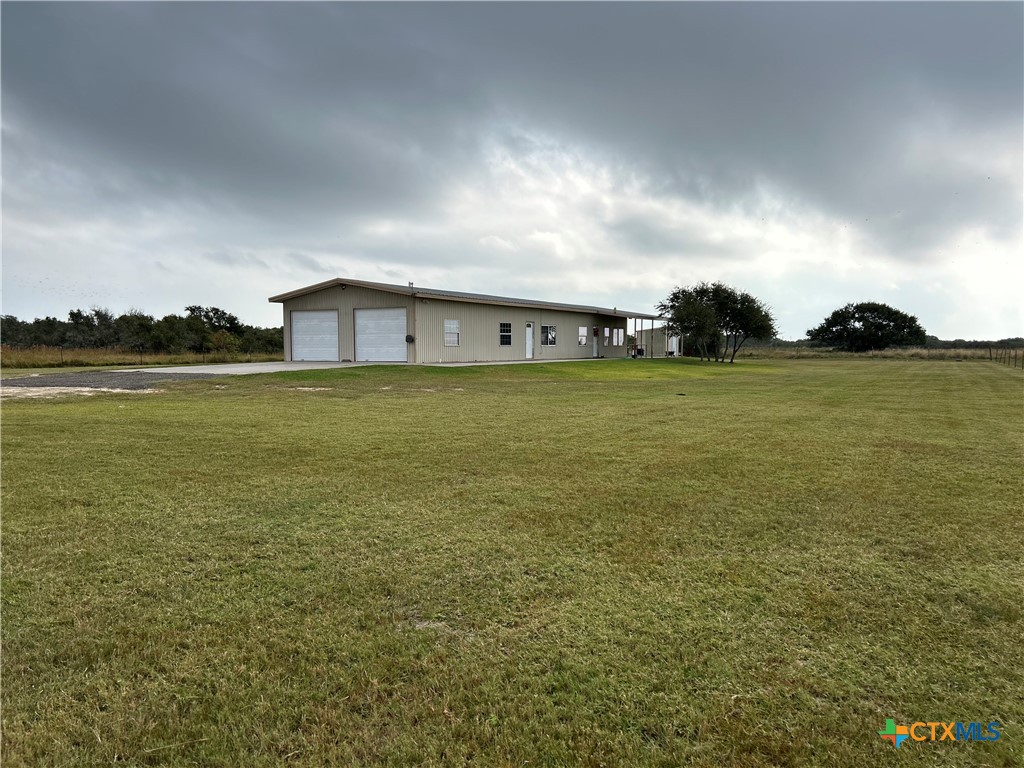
[
  {"x": 200, "y": 329},
  {"x": 717, "y": 320}
]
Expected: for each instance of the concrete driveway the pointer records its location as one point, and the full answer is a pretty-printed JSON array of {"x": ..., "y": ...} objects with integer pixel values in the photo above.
[{"x": 241, "y": 369}]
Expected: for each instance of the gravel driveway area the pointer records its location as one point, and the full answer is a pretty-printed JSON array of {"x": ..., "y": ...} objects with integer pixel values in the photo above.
[{"x": 103, "y": 379}]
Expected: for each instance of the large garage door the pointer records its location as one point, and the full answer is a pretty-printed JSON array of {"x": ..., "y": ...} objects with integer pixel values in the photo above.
[
  {"x": 315, "y": 335},
  {"x": 380, "y": 335}
]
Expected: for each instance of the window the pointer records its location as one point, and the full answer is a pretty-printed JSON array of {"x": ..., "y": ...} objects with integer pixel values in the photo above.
[
  {"x": 504, "y": 334},
  {"x": 607, "y": 332},
  {"x": 451, "y": 333},
  {"x": 618, "y": 334},
  {"x": 583, "y": 336},
  {"x": 547, "y": 335}
]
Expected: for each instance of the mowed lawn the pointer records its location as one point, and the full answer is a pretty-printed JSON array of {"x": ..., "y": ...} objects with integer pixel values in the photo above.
[{"x": 557, "y": 564}]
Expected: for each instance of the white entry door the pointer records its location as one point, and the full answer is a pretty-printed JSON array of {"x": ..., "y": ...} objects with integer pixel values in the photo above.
[
  {"x": 529, "y": 341},
  {"x": 380, "y": 335},
  {"x": 314, "y": 335}
]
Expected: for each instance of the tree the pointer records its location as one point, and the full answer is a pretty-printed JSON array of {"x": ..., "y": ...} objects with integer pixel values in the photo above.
[
  {"x": 866, "y": 326},
  {"x": 134, "y": 329},
  {"x": 103, "y": 323},
  {"x": 81, "y": 330},
  {"x": 215, "y": 319},
  {"x": 222, "y": 341},
  {"x": 13, "y": 331},
  {"x": 697, "y": 320},
  {"x": 718, "y": 318}
]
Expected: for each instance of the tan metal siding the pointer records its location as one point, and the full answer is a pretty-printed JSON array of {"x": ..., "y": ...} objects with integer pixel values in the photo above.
[
  {"x": 479, "y": 332},
  {"x": 346, "y": 301},
  {"x": 478, "y": 327}
]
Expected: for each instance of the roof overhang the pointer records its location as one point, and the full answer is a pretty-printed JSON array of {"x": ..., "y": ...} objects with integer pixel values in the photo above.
[{"x": 475, "y": 298}]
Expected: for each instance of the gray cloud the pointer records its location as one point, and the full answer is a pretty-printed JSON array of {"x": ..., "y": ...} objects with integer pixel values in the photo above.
[
  {"x": 232, "y": 259},
  {"x": 286, "y": 140},
  {"x": 649, "y": 236}
]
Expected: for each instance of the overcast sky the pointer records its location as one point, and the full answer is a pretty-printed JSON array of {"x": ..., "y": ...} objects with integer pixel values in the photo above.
[{"x": 159, "y": 155}]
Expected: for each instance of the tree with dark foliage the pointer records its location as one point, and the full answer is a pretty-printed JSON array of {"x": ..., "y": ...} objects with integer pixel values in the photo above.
[
  {"x": 866, "y": 326},
  {"x": 717, "y": 318}
]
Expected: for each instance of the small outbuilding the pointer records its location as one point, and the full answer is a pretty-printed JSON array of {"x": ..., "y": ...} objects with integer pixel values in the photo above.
[
  {"x": 360, "y": 321},
  {"x": 658, "y": 342}
]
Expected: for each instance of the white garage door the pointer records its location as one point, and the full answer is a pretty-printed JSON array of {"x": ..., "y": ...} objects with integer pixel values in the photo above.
[
  {"x": 380, "y": 335},
  {"x": 315, "y": 335}
]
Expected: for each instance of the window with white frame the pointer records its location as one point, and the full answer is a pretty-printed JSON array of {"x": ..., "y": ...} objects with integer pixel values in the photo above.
[
  {"x": 451, "y": 333},
  {"x": 504, "y": 334},
  {"x": 620, "y": 334},
  {"x": 584, "y": 333},
  {"x": 547, "y": 335},
  {"x": 607, "y": 334}
]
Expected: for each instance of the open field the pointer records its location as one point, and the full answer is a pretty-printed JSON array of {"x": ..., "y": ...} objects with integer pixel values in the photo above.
[
  {"x": 763, "y": 352},
  {"x": 77, "y": 358},
  {"x": 553, "y": 564}
]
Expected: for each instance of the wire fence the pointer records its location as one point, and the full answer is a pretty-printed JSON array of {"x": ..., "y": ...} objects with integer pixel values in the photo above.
[{"x": 1007, "y": 356}]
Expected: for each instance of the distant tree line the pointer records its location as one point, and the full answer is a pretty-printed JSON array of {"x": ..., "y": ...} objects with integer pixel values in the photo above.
[
  {"x": 937, "y": 343},
  {"x": 200, "y": 329},
  {"x": 930, "y": 342}
]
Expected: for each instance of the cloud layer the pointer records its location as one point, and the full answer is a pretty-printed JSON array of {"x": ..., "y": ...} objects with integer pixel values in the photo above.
[{"x": 159, "y": 155}]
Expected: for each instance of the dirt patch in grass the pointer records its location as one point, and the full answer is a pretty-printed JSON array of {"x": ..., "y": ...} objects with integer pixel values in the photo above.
[
  {"x": 51, "y": 392},
  {"x": 135, "y": 380}
]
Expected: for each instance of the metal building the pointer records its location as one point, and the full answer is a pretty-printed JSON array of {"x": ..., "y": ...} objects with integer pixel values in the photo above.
[
  {"x": 356, "y": 320},
  {"x": 656, "y": 342}
]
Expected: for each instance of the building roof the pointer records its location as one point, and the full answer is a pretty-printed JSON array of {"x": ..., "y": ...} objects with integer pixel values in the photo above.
[{"x": 477, "y": 298}]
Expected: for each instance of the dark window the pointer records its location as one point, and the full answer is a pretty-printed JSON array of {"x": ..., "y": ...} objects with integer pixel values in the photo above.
[
  {"x": 547, "y": 335},
  {"x": 504, "y": 334}
]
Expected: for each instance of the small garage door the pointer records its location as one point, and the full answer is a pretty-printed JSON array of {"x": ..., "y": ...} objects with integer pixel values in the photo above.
[
  {"x": 380, "y": 335},
  {"x": 315, "y": 335}
]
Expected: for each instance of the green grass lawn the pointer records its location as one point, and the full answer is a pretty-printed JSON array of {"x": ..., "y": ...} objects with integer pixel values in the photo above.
[{"x": 557, "y": 564}]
